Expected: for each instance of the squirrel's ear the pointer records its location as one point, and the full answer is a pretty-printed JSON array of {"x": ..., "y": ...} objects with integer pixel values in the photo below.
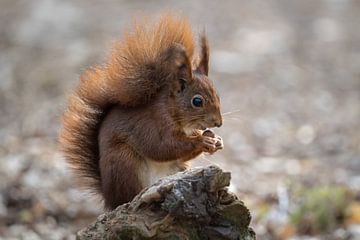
[
  {"x": 177, "y": 61},
  {"x": 203, "y": 66}
]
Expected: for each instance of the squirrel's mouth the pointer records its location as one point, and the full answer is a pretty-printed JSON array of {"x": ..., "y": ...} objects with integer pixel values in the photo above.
[
  {"x": 194, "y": 129},
  {"x": 201, "y": 127}
]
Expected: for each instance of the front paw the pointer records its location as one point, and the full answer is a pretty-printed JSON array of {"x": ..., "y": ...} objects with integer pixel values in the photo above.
[{"x": 211, "y": 142}]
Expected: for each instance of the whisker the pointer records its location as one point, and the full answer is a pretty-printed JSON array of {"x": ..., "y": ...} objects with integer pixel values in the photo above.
[
  {"x": 228, "y": 113},
  {"x": 232, "y": 118}
]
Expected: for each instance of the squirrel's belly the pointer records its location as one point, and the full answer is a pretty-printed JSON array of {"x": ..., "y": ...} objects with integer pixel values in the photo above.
[{"x": 151, "y": 171}]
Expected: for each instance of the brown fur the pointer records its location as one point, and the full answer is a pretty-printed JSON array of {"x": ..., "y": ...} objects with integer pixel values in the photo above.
[{"x": 132, "y": 112}]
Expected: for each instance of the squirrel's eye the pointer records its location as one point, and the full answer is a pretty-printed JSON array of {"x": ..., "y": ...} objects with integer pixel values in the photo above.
[{"x": 197, "y": 101}]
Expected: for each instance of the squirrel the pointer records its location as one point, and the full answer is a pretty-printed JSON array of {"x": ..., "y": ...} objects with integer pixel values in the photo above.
[{"x": 144, "y": 113}]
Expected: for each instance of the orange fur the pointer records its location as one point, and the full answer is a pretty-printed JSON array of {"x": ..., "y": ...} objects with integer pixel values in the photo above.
[
  {"x": 125, "y": 80},
  {"x": 143, "y": 46}
]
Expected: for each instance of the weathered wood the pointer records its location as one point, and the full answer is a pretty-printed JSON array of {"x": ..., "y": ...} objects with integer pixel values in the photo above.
[{"x": 194, "y": 204}]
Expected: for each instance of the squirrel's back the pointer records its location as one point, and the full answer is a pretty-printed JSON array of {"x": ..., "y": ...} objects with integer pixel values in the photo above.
[{"x": 134, "y": 73}]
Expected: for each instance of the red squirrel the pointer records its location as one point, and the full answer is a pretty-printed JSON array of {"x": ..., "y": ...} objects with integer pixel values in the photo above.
[{"x": 142, "y": 114}]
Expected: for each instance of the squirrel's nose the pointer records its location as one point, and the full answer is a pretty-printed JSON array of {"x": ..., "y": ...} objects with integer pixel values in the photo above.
[
  {"x": 215, "y": 120},
  {"x": 218, "y": 122}
]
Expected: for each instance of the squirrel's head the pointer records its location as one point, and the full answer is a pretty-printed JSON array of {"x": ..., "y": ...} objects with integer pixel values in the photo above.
[{"x": 195, "y": 103}]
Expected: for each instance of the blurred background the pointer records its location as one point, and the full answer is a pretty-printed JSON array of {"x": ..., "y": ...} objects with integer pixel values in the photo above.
[{"x": 288, "y": 74}]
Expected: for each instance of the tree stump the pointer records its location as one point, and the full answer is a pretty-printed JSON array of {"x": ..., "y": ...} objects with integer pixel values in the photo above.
[{"x": 194, "y": 204}]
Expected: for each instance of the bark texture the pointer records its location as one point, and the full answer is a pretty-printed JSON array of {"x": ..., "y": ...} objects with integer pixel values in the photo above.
[{"x": 194, "y": 204}]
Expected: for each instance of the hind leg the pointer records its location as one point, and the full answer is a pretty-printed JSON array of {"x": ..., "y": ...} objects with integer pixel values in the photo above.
[{"x": 119, "y": 180}]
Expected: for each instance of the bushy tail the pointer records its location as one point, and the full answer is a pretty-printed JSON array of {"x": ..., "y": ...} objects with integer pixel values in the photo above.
[{"x": 132, "y": 76}]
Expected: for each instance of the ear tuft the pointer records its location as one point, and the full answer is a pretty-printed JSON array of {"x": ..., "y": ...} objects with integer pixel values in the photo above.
[{"x": 203, "y": 66}]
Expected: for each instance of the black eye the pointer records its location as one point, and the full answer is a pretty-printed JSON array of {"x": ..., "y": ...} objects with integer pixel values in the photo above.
[{"x": 197, "y": 101}]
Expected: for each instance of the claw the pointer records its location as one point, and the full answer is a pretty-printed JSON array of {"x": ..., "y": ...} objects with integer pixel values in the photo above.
[{"x": 210, "y": 141}]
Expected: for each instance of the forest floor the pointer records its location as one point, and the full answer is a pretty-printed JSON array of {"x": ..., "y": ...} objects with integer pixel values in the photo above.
[{"x": 289, "y": 71}]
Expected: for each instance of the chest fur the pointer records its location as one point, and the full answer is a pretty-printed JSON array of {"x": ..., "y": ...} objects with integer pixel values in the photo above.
[{"x": 151, "y": 171}]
